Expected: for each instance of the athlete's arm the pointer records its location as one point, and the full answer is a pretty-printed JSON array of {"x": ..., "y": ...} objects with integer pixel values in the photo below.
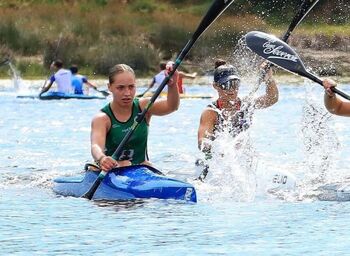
[
  {"x": 206, "y": 129},
  {"x": 271, "y": 93},
  {"x": 334, "y": 104},
  {"x": 99, "y": 128},
  {"x": 46, "y": 88}
]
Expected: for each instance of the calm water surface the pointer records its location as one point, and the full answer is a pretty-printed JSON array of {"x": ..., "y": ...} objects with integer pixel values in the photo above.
[{"x": 41, "y": 140}]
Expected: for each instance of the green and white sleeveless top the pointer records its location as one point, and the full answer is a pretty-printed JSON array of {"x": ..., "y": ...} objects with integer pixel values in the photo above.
[{"x": 135, "y": 149}]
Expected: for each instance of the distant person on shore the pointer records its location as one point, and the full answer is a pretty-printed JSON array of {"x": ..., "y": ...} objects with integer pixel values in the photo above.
[
  {"x": 78, "y": 81},
  {"x": 62, "y": 77},
  {"x": 114, "y": 121},
  {"x": 334, "y": 104},
  {"x": 227, "y": 112}
]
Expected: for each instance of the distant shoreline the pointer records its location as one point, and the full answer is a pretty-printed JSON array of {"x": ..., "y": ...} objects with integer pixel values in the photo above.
[{"x": 284, "y": 78}]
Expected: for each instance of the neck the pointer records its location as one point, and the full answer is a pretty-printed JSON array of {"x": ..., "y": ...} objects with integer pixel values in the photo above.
[
  {"x": 228, "y": 103},
  {"x": 121, "y": 110}
]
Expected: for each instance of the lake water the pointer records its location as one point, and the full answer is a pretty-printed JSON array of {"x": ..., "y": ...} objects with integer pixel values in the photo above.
[{"x": 235, "y": 215}]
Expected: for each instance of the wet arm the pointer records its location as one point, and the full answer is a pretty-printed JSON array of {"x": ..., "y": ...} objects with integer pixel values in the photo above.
[
  {"x": 206, "y": 130},
  {"x": 271, "y": 94},
  {"x": 91, "y": 85},
  {"x": 98, "y": 136},
  {"x": 336, "y": 106},
  {"x": 46, "y": 88}
]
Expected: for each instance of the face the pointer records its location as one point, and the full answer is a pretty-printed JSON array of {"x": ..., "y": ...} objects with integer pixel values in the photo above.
[
  {"x": 123, "y": 88},
  {"x": 53, "y": 67},
  {"x": 230, "y": 87}
]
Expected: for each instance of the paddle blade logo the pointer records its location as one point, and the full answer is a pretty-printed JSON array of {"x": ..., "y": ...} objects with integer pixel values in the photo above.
[
  {"x": 276, "y": 52},
  {"x": 270, "y": 47}
]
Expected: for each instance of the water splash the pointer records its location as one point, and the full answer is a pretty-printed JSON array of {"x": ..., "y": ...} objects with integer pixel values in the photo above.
[
  {"x": 16, "y": 78},
  {"x": 232, "y": 168}
]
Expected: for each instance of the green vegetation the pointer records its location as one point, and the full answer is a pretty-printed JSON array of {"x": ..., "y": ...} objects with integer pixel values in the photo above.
[{"x": 96, "y": 34}]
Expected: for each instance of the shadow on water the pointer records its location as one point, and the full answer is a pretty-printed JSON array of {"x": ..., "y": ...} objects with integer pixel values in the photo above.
[{"x": 121, "y": 205}]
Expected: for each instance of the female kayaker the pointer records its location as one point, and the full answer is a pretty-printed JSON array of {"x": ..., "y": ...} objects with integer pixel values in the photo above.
[
  {"x": 109, "y": 127},
  {"x": 228, "y": 111},
  {"x": 334, "y": 104}
]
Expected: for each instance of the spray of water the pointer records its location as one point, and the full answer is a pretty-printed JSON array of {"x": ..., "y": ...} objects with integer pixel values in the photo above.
[
  {"x": 16, "y": 78},
  {"x": 320, "y": 144}
]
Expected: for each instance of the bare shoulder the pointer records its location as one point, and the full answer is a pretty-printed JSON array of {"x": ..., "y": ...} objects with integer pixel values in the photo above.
[
  {"x": 209, "y": 114},
  {"x": 143, "y": 102},
  {"x": 101, "y": 118}
]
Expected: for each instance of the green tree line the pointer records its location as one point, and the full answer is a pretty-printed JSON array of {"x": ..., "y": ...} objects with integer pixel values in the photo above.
[{"x": 96, "y": 34}]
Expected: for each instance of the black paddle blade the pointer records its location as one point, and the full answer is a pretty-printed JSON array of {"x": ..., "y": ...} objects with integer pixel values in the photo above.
[
  {"x": 276, "y": 51},
  {"x": 282, "y": 55}
]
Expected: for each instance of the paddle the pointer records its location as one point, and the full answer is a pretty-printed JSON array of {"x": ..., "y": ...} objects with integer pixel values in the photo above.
[
  {"x": 142, "y": 94},
  {"x": 4, "y": 62},
  {"x": 217, "y": 7},
  {"x": 304, "y": 9},
  {"x": 281, "y": 54},
  {"x": 104, "y": 93}
]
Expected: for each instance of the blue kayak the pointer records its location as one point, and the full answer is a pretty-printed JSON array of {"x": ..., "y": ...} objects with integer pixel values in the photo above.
[
  {"x": 61, "y": 96},
  {"x": 125, "y": 183}
]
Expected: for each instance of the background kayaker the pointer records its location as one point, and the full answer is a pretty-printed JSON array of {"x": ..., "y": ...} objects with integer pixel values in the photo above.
[
  {"x": 62, "y": 77},
  {"x": 334, "y": 104},
  {"x": 227, "y": 109},
  {"x": 158, "y": 79},
  {"x": 110, "y": 126},
  {"x": 182, "y": 75},
  {"x": 78, "y": 81}
]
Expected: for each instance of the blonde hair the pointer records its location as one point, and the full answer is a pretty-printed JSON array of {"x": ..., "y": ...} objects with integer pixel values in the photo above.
[{"x": 117, "y": 69}]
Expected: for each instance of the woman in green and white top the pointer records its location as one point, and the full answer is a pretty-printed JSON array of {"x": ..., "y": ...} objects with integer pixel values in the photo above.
[{"x": 109, "y": 127}]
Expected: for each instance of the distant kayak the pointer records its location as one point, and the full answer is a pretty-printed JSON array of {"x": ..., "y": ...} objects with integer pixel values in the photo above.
[
  {"x": 125, "y": 183},
  {"x": 182, "y": 96},
  {"x": 60, "y": 96}
]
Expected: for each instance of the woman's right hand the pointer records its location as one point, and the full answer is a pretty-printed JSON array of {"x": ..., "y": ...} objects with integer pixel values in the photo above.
[
  {"x": 107, "y": 163},
  {"x": 328, "y": 84}
]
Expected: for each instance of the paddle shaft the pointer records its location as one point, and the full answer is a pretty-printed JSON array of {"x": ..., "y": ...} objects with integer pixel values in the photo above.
[
  {"x": 213, "y": 13},
  {"x": 142, "y": 94},
  {"x": 104, "y": 93},
  {"x": 304, "y": 9},
  {"x": 319, "y": 81},
  {"x": 4, "y": 62},
  {"x": 282, "y": 55}
]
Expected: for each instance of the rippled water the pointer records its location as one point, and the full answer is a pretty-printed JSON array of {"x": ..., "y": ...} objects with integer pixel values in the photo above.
[{"x": 41, "y": 140}]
